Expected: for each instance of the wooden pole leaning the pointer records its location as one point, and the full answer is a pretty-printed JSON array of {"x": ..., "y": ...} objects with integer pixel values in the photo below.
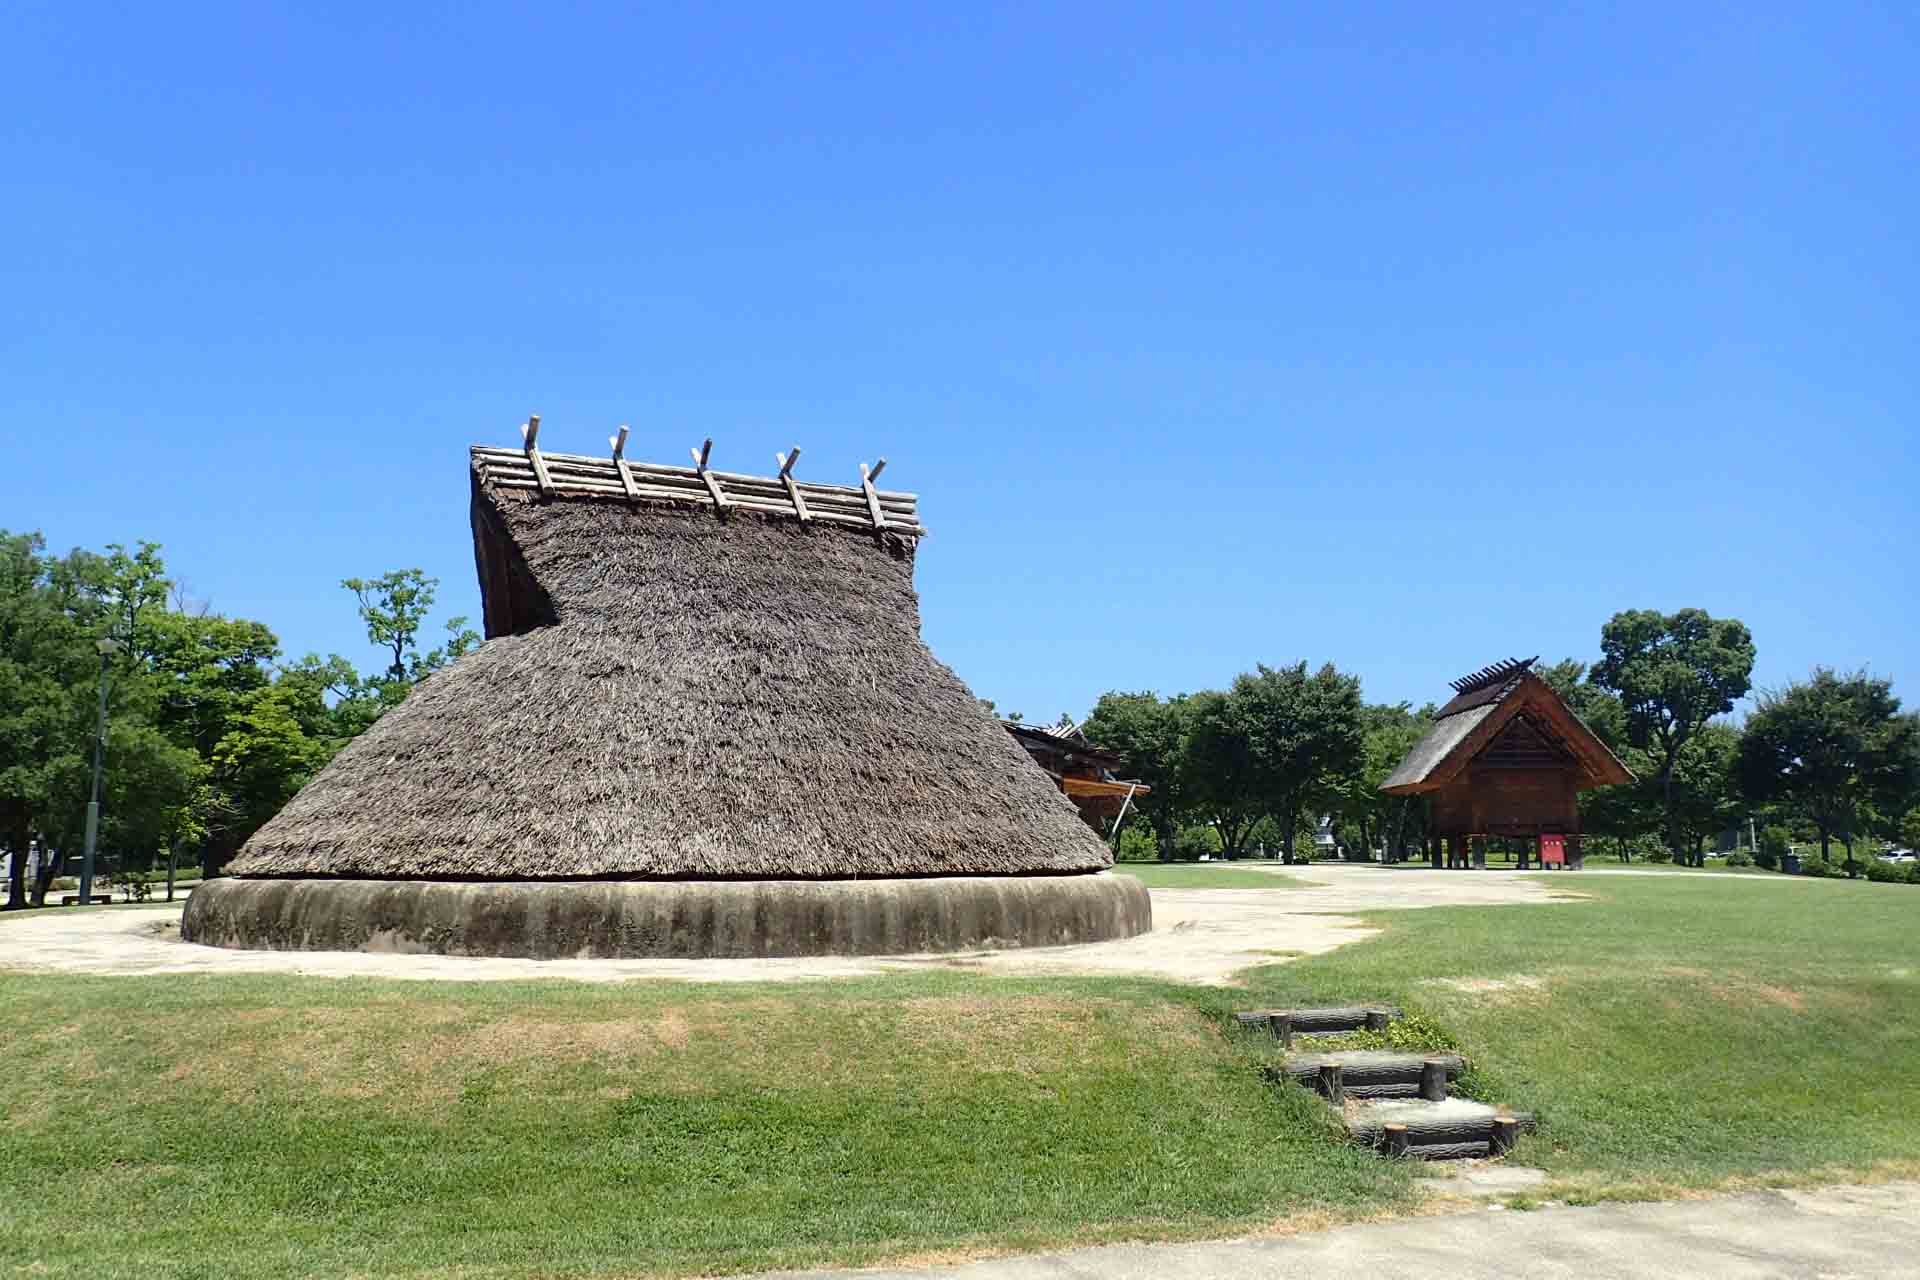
[
  {"x": 619, "y": 444},
  {"x": 700, "y": 457},
  {"x": 873, "y": 498},
  {"x": 786, "y": 461},
  {"x": 530, "y": 433}
]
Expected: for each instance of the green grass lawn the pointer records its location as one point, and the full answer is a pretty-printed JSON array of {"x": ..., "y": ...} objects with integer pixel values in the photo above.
[
  {"x": 268, "y": 1126},
  {"x": 1669, "y": 1032},
  {"x": 1204, "y": 875}
]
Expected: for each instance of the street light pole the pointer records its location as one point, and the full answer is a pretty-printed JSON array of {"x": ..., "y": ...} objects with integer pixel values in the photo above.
[{"x": 107, "y": 649}]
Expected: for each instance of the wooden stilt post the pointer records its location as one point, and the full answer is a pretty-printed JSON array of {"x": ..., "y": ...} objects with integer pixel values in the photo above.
[{"x": 1479, "y": 846}]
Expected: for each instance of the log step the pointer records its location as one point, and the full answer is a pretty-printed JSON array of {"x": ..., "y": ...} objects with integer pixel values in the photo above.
[
  {"x": 1450, "y": 1151},
  {"x": 1323, "y": 1021},
  {"x": 1435, "y": 1130},
  {"x": 1378, "y": 1073}
]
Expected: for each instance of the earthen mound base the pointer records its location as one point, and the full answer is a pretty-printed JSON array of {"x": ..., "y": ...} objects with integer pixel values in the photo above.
[{"x": 700, "y": 919}]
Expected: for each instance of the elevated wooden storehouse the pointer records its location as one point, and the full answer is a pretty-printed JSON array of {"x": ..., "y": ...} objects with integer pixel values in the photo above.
[
  {"x": 1085, "y": 774},
  {"x": 703, "y": 722},
  {"x": 1506, "y": 757}
]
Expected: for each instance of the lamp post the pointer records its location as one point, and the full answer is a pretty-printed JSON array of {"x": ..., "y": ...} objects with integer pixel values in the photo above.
[{"x": 107, "y": 648}]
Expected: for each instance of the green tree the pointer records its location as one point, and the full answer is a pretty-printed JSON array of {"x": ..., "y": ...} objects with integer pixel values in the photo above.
[
  {"x": 394, "y": 607},
  {"x": 1220, "y": 772},
  {"x": 45, "y": 654},
  {"x": 1673, "y": 673},
  {"x": 53, "y": 611},
  {"x": 132, "y": 588},
  {"x": 1828, "y": 748},
  {"x": 1149, "y": 734},
  {"x": 1706, "y": 791},
  {"x": 1389, "y": 732},
  {"x": 1305, "y": 737}
]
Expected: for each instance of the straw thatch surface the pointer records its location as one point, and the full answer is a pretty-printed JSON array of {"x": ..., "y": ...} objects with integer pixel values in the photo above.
[{"x": 681, "y": 696}]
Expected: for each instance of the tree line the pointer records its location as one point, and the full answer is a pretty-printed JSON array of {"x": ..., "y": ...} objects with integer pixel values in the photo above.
[
  {"x": 209, "y": 729},
  {"x": 1832, "y": 757}
]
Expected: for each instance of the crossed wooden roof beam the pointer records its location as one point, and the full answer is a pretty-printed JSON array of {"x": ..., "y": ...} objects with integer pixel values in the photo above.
[{"x": 566, "y": 474}]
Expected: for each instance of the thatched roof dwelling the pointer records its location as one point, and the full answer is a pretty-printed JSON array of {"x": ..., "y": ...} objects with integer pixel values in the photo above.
[{"x": 682, "y": 678}]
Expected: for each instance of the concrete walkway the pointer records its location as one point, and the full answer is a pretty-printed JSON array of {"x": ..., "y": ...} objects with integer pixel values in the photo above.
[{"x": 1831, "y": 1232}]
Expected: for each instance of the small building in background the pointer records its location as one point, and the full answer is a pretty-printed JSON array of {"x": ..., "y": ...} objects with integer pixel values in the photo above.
[
  {"x": 1506, "y": 758},
  {"x": 1083, "y": 772}
]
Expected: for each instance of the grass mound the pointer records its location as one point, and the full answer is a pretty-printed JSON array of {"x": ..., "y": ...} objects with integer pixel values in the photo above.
[{"x": 285, "y": 1127}]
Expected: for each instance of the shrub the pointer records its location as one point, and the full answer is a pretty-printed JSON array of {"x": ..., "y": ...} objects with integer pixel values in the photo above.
[
  {"x": 1137, "y": 844},
  {"x": 1190, "y": 842},
  {"x": 1659, "y": 855},
  {"x": 1774, "y": 847},
  {"x": 1886, "y": 872},
  {"x": 1820, "y": 869},
  {"x": 1739, "y": 858},
  {"x": 1913, "y": 872}
]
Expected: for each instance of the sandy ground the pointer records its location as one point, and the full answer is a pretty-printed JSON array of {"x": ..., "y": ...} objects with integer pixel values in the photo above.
[{"x": 1199, "y": 935}]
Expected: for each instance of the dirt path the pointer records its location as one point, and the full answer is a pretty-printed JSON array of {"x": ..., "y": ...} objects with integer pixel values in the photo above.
[{"x": 1199, "y": 935}]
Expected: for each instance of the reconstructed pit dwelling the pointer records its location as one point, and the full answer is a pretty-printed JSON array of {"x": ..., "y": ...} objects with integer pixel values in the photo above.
[{"x": 703, "y": 724}]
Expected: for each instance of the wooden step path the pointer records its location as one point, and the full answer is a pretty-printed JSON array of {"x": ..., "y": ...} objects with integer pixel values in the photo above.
[
  {"x": 1399, "y": 1104},
  {"x": 1453, "y": 1129},
  {"x": 1285, "y": 1024},
  {"x": 1375, "y": 1073}
]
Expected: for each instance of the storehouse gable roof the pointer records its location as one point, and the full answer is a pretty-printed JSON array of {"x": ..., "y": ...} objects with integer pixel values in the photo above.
[{"x": 1510, "y": 710}]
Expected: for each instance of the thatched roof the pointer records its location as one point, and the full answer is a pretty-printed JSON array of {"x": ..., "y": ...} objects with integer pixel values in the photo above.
[
  {"x": 670, "y": 690},
  {"x": 1506, "y": 713}
]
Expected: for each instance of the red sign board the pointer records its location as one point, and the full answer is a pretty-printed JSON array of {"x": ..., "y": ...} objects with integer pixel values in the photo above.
[{"x": 1553, "y": 850}]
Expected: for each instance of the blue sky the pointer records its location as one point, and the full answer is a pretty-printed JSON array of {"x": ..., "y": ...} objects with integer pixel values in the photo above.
[{"x": 1403, "y": 336}]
